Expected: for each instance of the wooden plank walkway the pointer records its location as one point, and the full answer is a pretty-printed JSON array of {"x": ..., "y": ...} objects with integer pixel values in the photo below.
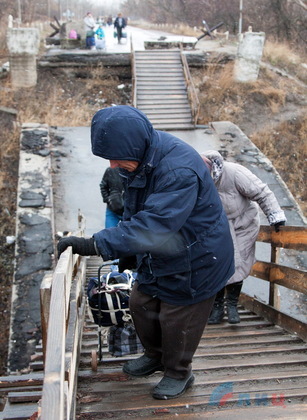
[
  {"x": 242, "y": 371},
  {"x": 161, "y": 91}
]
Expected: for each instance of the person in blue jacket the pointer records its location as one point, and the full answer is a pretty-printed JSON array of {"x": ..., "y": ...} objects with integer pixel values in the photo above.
[{"x": 175, "y": 226}]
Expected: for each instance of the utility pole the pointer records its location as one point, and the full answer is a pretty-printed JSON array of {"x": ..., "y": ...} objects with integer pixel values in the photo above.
[
  {"x": 48, "y": 9},
  {"x": 19, "y": 12},
  {"x": 240, "y": 18}
]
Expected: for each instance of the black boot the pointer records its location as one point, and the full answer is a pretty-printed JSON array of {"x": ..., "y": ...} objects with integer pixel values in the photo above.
[
  {"x": 217, "y": 313},
  {"x": 232, "y": 297}
]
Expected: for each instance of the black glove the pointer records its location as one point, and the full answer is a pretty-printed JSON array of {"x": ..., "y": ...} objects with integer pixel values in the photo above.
[
  {"x": 276, "y": 225},
  {"x": 79, "y": 246},
  {"x": 127, "y": 263}
]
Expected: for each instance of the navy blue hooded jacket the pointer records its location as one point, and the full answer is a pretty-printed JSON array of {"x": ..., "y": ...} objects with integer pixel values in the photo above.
[{"x": 173, "y": 219}]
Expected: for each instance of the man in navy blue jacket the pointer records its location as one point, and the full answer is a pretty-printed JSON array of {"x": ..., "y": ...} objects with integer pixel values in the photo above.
[{"x": 175, "y": 225}]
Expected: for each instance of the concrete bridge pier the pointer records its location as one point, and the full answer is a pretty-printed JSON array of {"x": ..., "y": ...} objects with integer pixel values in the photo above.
[
  {"x": 23, "y": 45},
  {"x": 248, "y": 58}
]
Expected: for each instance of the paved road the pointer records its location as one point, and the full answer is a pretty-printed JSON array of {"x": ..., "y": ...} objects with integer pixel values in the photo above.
[{"x": 77, "y": 182}]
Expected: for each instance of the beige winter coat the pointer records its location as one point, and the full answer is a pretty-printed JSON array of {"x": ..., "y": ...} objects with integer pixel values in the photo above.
[{"x": 240, "y": 191}]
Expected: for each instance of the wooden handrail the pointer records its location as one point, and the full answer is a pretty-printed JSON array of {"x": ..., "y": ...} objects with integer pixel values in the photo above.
[
  {"x": 289, "y": 237},
  {"x": 63, "y": 310},
  {"x": 193, "y": 98},
  {"x": 66, "y": 315},
  {"x": 67, "y": 309}
]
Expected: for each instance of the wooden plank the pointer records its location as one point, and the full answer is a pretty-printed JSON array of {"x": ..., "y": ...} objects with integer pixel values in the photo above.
[
  {"x": 163, "y": 102},
  {"x": 64, "y": 267},
  {"x": 166, "y": 127},
  {"x": 52, "y": 399},
  {"x": 292, "y": 237},
  {"x": 74, "y": 332},
  {"x": 161, "y": 85},
  {"x": 278, "y": 318},
  {"x": 159, "y": 78},
  {"x": 236, "y": 364},
  {"x": 168, "y": 119},
  {"x": 26, "y": 396},
  {"x": 141, "y": 404},
  {"x": 163, "y": 113},
  {"x": 32, "y": 379},
  {"x": 158, "y": 107},
  {"x": 158, "y": 96},
  {"x": 288, "y": 277},
  {"x": 263, "y": 410},
  {"x": 45, "y": 296},
  {"x": 19, "y": 411}
]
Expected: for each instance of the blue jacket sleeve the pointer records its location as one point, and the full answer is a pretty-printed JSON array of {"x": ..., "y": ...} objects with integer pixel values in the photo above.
[{"x": 154, "y": 228}]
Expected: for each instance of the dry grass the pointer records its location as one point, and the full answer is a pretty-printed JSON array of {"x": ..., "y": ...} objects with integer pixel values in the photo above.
[
  {"x": 257, "y": 109},
  {"x": 286, "y": 146},
  {"x": 221, "y": 96},
  {"x": 284, "y": 57}
]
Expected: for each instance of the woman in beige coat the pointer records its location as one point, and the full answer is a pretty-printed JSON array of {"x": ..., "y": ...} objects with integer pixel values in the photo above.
[{"x": 241, "y": 192}]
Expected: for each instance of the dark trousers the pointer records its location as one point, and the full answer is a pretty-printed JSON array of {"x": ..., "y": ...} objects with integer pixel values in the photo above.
[
  {"x": 168, "y": 332},
  {"x": 119, "y": 33}
]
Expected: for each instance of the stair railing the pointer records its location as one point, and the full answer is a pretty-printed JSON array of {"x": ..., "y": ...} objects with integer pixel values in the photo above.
[{"x": 192, "y": 95}]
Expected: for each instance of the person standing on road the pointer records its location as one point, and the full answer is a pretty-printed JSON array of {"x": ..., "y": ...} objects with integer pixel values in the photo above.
[
  {"x": 89, "y": 26},
  {"x": 240, "y": 191},
  {"x": 89, "y": 22},
  {"x": 175, "y": 226},
  {"x": 111, "y": 188},
  {"x": 119, "y": 24}
]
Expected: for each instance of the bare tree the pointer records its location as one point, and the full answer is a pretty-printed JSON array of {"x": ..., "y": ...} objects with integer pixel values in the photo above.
[{"x": 301, "y": 3}]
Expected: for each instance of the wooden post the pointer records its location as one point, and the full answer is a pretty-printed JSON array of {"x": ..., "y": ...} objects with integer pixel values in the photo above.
[
  {"x": 45, "y": 295},
  {"x": 273, "y": 294}
]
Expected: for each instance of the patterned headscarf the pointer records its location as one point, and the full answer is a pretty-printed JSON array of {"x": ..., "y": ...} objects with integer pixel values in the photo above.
[{"x": 215, "y": 162}]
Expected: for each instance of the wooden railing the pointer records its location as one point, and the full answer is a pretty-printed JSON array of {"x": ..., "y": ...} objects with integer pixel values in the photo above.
[
  {"x": 62, "y": 314},
  {"x": 63, "y": 337},
  {"x": 290, "y": 237},
  {"x": 63, "y": 304},
  {"x": 192, "y": 95}
]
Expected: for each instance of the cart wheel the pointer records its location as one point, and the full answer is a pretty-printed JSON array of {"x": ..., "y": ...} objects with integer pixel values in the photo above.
[{"x": 94, "y": 361}]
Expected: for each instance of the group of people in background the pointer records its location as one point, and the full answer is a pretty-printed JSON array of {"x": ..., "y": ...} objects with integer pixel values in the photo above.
[{"x": 95, "y": 37}]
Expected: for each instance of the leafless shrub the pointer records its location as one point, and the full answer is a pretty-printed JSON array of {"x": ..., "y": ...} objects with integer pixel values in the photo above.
[{"x": 286, "y": 146}]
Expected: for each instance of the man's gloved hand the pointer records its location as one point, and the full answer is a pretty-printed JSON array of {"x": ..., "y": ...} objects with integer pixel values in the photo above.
[
  {"x": 127, "y": 263},
  {"x": 79, "y": 246},
  {"x": 277, "y": 225}
]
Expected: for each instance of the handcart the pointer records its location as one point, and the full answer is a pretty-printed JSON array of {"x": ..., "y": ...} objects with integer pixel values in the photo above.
[{"x": 108, "y": 298}]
